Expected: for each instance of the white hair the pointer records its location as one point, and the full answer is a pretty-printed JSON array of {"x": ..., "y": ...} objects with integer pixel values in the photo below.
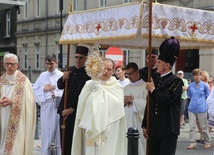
[{"x": 11, "y": 55}]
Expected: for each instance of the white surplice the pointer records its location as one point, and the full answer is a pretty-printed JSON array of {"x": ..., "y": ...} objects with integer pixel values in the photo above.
[
  {"x": 50, "y": 129},
  {"x": 135, "y": 112},
  {"x": 100, "y": 127},
  {"x": 24, "y": 140}
]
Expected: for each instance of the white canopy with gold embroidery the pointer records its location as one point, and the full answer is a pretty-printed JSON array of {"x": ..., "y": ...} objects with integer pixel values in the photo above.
[{"x": 127, "y": 26}]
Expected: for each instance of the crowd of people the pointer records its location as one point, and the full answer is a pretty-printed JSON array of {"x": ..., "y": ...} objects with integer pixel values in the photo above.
[{"x": 83, "y": 115}]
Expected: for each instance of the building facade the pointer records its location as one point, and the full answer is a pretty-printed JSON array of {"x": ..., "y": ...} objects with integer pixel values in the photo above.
[
  {"x": 39, "y": 27},
  {"x": 38, "y": 33},
  {"x": 7, "y": 33}
]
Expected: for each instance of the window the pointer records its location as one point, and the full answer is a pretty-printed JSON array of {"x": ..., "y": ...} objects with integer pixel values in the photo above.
[
  {"x": 37, "y": 8},
  {"x": 192, "y": 60},
  {"x": 26, "y": 11},
  {"x": 58, "y": 55},
  {"x": 126, "y": 1},
  {"x": 126, "y": 56},
  {"x": 75, "y": 5},
  {"x": 102, "y": 3},
  {"x": 58, "y": 6},
  {"x": 0, "y": 24},
  {"x": 64, "y": 58},
  {"x": 8, "y": 24},
  {"x": 25, "y": 57},
  {"x": 37, "y": 58},
  {"x": 59, "y": 3},
  {"x": 62, "y": 64}
]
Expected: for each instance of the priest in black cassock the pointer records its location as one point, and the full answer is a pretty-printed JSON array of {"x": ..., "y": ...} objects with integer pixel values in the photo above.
[
  {"x": 164, "y": 120},
  {"x": 77, "y": 77}
]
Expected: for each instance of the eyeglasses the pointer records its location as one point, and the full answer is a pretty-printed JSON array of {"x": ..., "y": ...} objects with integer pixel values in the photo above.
[
  {"x": 9, "y": 64},
  {"x": 210, "y": 82},
  {"x": 153, "y": 57},
  {"x": 51, "y": 64},
  {"x": 79, "y": 57},
  {"x": 130, "y": 74}
]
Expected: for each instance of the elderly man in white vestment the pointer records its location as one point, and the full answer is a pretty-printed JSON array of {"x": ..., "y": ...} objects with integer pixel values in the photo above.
[
  {"x": 135, "y": 102},
  {"x": 17, "y": 110},
  {"x": 48, "y": 97},
  {"x": 100, "y": 127}
]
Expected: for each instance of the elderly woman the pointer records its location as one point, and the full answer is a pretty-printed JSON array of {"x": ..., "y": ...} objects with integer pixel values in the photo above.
[{"x": 198, "y": 92}]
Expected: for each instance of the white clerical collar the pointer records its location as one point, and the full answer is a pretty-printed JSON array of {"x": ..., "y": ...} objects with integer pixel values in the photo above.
[
  {"x": 12, "y": 77},
  {"x": 165, "y": 74},
  {"x": 136, "y": 82},
  {"x": 53, "y": 71}
]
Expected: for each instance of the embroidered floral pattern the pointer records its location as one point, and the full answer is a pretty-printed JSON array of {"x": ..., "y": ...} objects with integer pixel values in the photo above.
[
  {"x": 102, "y": 26},
  {"x": 15, "y": 110},
  {"x": 187, "y": 24}
]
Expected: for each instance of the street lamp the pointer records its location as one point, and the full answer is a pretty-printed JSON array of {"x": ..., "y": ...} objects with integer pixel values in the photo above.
[{"x": 60, "y": 54}]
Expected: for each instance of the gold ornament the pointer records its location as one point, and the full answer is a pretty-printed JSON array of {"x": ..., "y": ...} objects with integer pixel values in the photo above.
[{"x": 94, "y": 63}]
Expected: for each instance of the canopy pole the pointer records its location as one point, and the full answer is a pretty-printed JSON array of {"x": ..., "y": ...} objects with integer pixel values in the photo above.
[
  {"x": 149, "y": 73},
  {"x": 65, "y": 93},
  {"x": 65, "y": 103}
]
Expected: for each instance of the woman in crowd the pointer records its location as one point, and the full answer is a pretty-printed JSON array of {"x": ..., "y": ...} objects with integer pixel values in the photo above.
[
  {"x": 120, "y": 74},
  {"x": 204, "y": 78},
  {"x": 198, "y": 92},
  {"x": 210, "y": 82}
]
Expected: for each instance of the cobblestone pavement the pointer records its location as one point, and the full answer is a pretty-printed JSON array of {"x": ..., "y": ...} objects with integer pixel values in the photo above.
[{"x": 183, "y": 142}]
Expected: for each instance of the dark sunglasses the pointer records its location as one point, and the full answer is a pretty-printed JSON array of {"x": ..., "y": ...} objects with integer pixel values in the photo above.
[
  {"x": 79, "y": 57},
  {"x": 153, "y": 57}
]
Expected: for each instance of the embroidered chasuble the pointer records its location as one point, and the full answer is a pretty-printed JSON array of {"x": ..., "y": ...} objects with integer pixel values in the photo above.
[
  {"x": 17, "y": 121},
  {"x": 135, "y": 112},
  {"x": 100, "y": 127}
]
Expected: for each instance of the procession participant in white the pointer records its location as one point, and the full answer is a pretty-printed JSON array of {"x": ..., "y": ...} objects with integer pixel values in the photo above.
[
  {"x": 48, "y": 97},
  {"x": 210, "y": 102},
  {"x": 135, "y": 102},
  {"x": 17, "y": 110},
  {"x": 120, "y": 74},
  {"x": 100, "y": 127}
]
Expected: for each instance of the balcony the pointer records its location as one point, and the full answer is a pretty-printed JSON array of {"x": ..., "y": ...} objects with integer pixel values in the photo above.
[{"x": 6, "y": 4}]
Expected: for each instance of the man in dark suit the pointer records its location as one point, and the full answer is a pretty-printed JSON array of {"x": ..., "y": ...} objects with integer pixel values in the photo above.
[
  {"x": 164, "y": 112},
  {"x": 144, "y": 70},
  {"x": 76, "y": 80}
]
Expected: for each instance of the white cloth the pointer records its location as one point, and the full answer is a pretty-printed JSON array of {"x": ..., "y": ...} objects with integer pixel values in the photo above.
[
  {"x": 210, "y": 102},
  {"x": 50, "y": 129},
  {"x": 135, "y": 112},
  {"x": 124, "y": 82},
  {"x": 23, "y": 143},
  {"x": 100, "y": 127},
  {"x": 129, "y": 28}
]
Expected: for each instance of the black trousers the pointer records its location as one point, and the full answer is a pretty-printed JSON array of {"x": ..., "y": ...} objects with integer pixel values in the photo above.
[
  {"x": 69, "y": 129},
  {"x": 162, "y": 146}
]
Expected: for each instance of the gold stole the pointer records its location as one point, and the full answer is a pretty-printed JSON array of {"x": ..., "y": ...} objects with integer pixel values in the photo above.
[{"x": 15, "y": 110}]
